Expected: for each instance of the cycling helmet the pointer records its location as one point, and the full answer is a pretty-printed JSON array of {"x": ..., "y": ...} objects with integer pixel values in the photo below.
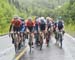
[
  {"x": 30, "y": 19},
  {"x": 59, "y": 17},
  {"x": 22, "y": 19},
  {"x": 16, "y": 17}
]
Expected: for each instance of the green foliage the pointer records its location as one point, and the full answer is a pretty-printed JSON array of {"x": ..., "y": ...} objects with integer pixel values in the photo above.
[
  {"x": 6, "y": 13},
  {"x": 67, "y": 11},
  {"x": 26, "y": 8},
  {"x": 70, "y": 29},
  {"x": 38, "y": 7}
]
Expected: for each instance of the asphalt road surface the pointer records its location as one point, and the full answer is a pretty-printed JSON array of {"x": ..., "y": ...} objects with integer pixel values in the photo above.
[{"x": 53, "y": 52}]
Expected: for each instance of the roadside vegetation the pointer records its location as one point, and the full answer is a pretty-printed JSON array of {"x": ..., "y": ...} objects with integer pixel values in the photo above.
[{"x": 25, "y": 8}]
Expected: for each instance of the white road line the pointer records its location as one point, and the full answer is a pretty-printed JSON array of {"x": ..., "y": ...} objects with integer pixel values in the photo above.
[{"x": 70, "y": 36}]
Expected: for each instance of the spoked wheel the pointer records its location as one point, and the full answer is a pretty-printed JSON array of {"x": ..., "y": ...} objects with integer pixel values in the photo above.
[
  {"x": 16, "y": 47},
  {"x": 17, "y": 42},
  {"x": 41, "y": 42},
  {"x": 56, "y": 37},
  {"x": 22, "y": 39},
  {"x": 37, "y": 40},
  {"x": 30, "y": 45},
  {"x": 30, "y": 48},
  {"x": 48, "y": 39},
  {"x": 60, "y": 41},
  {"x": 30, "y": 42},
  {"x": 60, "y": 38}
]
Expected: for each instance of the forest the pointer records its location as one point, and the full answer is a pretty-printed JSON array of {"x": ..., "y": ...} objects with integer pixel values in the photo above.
[{"x": 26, "y": 8}]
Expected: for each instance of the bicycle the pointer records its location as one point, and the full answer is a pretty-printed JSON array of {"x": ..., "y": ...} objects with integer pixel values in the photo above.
[
  {"x": 22, "y": 34},
  {"x": 16, "y": 39},
  {"x": 30, "y": 41},
  {"x": 48, "y": 37},
  {"x": 36, "y": 38},
  {"x": 41, "y": 40},
  {"x": 60, "y": 37}
]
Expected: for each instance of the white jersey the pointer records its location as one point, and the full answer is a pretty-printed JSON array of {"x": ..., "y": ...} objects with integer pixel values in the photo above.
[{"x": 42, "y": 19}]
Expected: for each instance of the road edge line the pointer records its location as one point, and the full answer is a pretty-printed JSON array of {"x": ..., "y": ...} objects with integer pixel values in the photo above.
[
  {"x": 21, "y": 54},
  {"x": 70, "y": 36}
]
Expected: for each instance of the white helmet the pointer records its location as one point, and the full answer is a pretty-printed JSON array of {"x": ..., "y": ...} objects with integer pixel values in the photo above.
[{"x": 42, "y": 18}]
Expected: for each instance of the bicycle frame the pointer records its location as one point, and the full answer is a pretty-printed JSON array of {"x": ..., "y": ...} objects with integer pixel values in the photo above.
[
  {"x": 60, "y": 35},
  {"x": 30, "y": 40},
  {"x": 48, "y": 37},
  {"x": 16, "y": 37},
  {"x": 41, "y": 40}
]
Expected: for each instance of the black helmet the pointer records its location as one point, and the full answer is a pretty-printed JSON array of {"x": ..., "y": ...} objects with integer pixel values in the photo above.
[{"x": 22, "y": 19}]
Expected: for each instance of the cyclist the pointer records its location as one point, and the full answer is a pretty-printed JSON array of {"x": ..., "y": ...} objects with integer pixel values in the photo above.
[
  {"x": 22, "y": 30},
  {"x": 49, "y": 25},
  {"x": 60, "y": 23},
  {"x": 42, "y": 27},
  {"x": 36, "y": 30},
  {"x": 22, "y": 25},
  {"x": 55, "y": 26},
  {"x": 30, "y": 26},
  {"x": 36, "y": 24},
  {"x": 60, "y": 30},
  {"x": 15, "y": 26}
]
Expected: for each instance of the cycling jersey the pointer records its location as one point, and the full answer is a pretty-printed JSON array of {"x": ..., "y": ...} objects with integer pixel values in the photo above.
[
  {"x": 37, "y": 25},
  {"x": 22, "y": 28},
  {"x": 30, "y": 25},
  {"x": 60, "y": 25},
  {"x": 42, "y": 24},
  {"x": 16, "y": 23},
  {"x": 48, "y": 24}
]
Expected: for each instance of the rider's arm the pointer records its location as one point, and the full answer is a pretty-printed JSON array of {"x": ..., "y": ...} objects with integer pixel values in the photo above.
[
  {"x": 39, "y": 26},
  {"x": 33, "y": 25},
  {"x": 26, "y": 24},
  {"x": 46, "y": 26},
  {"x": 10, "y": 28}
]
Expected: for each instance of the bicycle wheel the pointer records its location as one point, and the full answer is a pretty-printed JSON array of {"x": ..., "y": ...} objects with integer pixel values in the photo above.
[
  {"x": 12, "y": 36},
  {"x": 60, "y": 38},
  {"x": 37, "y": 39},
  {"x": 41, "y": 42},
  {"x": 61, "y": 41},
  {"x": 30, "y": 42},
  {"x": 40, "y": 46},
  {"x": 47, "y": 43},
  {"x": 16, "y": 42},
  {"x": 57, "y": 36}
]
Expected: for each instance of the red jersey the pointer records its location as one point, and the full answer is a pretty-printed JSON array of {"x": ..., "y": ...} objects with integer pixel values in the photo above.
[
  {"x": 16, "y": 23},
  {"x": 30, "y": 23}
]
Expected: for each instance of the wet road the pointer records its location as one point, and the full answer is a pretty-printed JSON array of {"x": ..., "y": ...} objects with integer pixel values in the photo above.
[{"x": 53, "y": 52}]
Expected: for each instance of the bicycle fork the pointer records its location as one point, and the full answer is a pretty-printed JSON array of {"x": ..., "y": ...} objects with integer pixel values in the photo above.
[{"x": 60, "y": 40}]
